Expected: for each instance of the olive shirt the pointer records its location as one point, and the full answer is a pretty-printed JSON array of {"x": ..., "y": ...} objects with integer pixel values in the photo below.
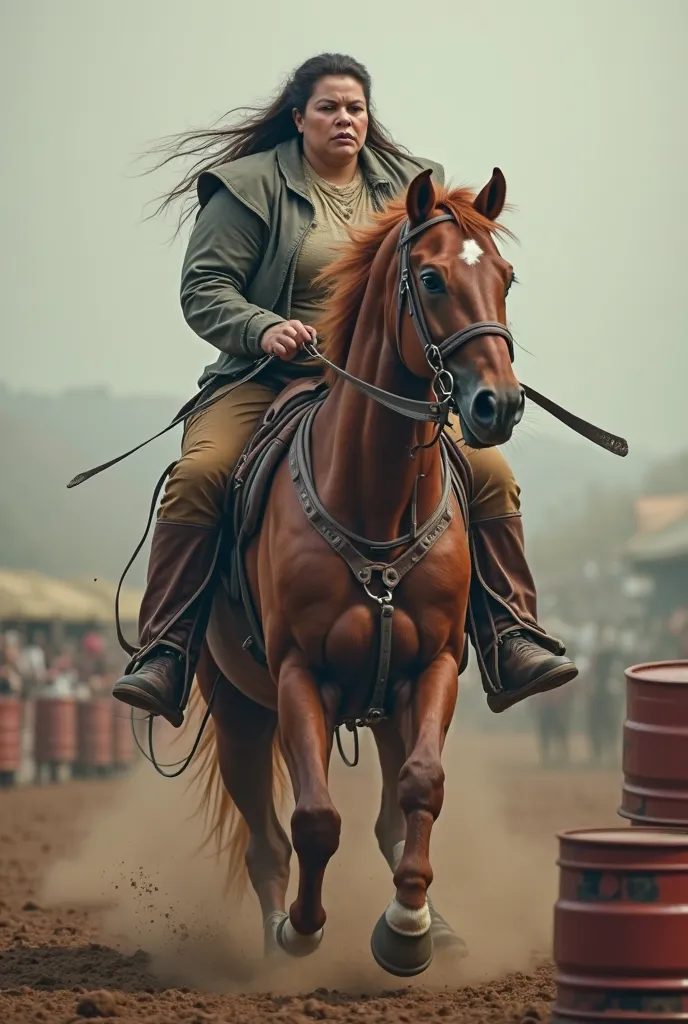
[
  {"x": 240, "y": 264},
  {"x": 337, "y": 208}
]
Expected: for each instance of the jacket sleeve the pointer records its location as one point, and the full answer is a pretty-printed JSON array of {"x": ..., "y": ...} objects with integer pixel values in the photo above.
[{"x": 225, "y": 250}]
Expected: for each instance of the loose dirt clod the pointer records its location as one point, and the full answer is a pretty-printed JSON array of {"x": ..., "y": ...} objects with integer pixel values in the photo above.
[{"x": 97, "y": 1004}]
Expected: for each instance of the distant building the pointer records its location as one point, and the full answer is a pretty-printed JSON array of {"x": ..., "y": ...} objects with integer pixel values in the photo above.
[{"x": 659, "y": 549}]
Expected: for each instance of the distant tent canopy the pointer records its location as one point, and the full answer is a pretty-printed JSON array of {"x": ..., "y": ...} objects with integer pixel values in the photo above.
[
  {"x": 662, "y": 529},
  {"x": 33, "y": 597}
]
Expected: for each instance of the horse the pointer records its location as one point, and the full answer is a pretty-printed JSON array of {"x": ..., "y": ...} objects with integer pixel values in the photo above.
[{"x": 414, "y": 328}]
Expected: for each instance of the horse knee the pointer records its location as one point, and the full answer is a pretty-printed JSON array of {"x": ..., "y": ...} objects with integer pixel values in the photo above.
[
  {"x": 421, "y": 786},
  {"x": 315, "y": 832}
]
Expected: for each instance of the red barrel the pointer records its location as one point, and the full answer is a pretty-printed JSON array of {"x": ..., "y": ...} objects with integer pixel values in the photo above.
[
  {"x": 621, "y": 926},
  {"x": 10, "y": 735},
  {"x": 94, "y": 733},
  {"x": 122, "y": 738},
  {"x": 56, "y": 733},
  {"x": 655, "y": 750}
]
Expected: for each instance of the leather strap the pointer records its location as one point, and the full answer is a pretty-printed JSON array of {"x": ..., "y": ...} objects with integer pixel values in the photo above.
[
  {"x": 428, "y": 412},
  {"x": 187, "y": 410},
  {"x": 377, "y": 709},
  {"x": 611, "y": 442},
  {"x": 362, "y": 567},
  {"x": 341, "y": 540}
]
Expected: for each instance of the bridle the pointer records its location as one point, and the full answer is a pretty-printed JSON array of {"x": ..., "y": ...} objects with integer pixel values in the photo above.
[
  {"x": 428, "y": 412},
  {"x": 373, "y": 570},
  {"x": 439, "y": 411}
]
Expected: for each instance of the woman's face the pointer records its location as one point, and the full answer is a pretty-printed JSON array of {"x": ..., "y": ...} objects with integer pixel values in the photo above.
[{"x": 335, "y": 121}]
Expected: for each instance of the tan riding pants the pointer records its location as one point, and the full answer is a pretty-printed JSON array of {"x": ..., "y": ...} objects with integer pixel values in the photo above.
[{"x": 215, "y": 438}]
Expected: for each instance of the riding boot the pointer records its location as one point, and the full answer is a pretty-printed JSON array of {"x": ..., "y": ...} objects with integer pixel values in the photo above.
[
  {"x": 516, "y": 657},
  {"x": 173, "y": 619}
]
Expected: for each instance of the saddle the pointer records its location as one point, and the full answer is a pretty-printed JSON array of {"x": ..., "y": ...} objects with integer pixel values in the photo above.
[
  {"x": 249, "y": 488},
  {"x": 252, "y": 479}
]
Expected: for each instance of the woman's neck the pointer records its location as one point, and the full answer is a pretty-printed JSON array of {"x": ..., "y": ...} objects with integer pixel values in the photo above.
[{"x": 339, "y": 174}]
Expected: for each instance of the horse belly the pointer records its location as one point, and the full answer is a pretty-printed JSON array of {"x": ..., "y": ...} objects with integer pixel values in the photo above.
[{"x": 225, "y": 641}]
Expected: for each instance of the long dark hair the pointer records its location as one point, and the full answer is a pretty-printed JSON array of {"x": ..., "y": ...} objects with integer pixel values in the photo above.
[{"x": 260, "y": 129}]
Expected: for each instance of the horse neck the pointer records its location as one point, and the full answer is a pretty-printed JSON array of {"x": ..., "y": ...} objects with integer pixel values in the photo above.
[{"x": 361, "y": 451}]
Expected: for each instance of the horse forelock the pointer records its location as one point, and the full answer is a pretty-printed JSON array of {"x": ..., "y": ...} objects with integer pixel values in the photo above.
[{"x": 346, "y": 278}]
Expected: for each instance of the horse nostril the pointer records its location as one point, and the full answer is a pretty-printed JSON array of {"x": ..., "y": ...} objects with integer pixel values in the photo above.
[{"x": 484, "y": 407}]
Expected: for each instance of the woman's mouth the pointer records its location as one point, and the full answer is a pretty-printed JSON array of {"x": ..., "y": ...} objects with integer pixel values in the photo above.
[{"x": 343, "y": 137}]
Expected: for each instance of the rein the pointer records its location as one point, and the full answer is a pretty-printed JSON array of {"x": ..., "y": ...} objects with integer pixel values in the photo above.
[
  {"x": 344, "y": 541},
  {"x": 443, "y": 382},
  {"x": 436, "y": 412},
  {"x": 422, "y": 539}
]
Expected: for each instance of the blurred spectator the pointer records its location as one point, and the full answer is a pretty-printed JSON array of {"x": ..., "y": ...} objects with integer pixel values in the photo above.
[
  {"x": 32, "y": 663},
  {"x": 10, "y": 677},
  {"x": 29, "y": 666}
]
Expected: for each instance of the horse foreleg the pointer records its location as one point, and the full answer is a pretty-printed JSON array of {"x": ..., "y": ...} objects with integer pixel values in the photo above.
[
  {"x": 390, "y": 827},
  {"x": 402, "y": 940},
  {"x": 306, "y": 724},
  {"x": 244, "y": 733}
]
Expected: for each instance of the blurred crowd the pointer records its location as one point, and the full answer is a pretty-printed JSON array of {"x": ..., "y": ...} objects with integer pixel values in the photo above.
[
  {"x": 33, "y": 665},
  {"x": 595, "y": 703}
]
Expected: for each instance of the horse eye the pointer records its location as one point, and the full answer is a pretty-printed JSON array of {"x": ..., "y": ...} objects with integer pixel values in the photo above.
[
  {"x": 432, "y": 282},
  {"x": 514, "y": 280}
]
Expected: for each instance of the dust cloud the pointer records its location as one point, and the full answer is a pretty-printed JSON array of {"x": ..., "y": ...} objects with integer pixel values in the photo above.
[{"x": 140, "y": 863}]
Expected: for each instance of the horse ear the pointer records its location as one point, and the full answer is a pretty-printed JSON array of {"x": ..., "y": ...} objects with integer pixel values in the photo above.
[
  {"x": 490, "y": 201},
  {"x": 420, "y": 198}
]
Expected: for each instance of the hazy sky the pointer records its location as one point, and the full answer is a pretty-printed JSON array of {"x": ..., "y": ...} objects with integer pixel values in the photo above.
[{"x": 582, "y": 103}]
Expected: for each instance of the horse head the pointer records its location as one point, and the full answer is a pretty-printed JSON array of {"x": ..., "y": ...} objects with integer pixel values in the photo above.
[{"x": 451, "y": 311}]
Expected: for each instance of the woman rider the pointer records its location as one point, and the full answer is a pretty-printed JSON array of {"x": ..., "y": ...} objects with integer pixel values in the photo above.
[{"x": 276, "y": 195}]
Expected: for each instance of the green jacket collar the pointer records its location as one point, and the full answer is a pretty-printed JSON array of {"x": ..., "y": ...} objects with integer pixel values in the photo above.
[{"x": 290, "y": 160}]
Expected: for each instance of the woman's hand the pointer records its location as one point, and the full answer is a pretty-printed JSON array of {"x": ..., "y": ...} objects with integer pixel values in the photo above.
[{"x": 286, "y": 339}]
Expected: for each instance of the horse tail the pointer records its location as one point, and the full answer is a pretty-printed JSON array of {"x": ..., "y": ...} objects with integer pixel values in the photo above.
[{"x": 226, "y": 832}]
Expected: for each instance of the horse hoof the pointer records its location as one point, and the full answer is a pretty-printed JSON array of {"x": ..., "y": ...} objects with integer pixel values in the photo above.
[
  {"x": 292, "y": 942},
  {"x": 401, "y": 955}
]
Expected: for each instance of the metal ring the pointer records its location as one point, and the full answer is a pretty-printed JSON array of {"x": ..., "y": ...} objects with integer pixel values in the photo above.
[
  {"x": 354, "y": 761},
  {"x": 384, "y": 599},
  {"x": 434, "y": 358}
]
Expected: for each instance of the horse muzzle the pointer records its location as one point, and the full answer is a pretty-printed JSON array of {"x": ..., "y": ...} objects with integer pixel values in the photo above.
[{"x": 489, "y": 415}]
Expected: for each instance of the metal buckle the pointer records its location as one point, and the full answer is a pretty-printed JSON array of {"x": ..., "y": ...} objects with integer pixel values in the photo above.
[{"x": 443, "y": 384}]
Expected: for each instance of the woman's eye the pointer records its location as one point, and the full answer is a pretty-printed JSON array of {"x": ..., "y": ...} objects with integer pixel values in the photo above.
[{"x": 432, "y": 282}]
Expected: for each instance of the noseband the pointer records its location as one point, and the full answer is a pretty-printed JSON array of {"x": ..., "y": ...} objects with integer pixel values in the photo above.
[
  {"x": 443, "y": 381},
  {"x": 435, "y": 354}
]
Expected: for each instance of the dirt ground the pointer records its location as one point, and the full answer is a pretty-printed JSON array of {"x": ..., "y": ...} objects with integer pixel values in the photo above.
[{"x": 108, "y": 910}]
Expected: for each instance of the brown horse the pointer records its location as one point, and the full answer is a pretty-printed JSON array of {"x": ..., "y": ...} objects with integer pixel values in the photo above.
[{"x": 417, "y": 310}]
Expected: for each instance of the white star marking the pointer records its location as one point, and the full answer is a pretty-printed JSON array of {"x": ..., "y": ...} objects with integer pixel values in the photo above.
[{"x": 471, "y": 252}]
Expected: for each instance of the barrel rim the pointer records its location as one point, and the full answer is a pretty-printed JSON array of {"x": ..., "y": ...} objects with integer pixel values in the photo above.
[
  {"x": 638, "y": 673},
  {"x": 629, "y": 836},
  {"x": 663, "y": 823}
]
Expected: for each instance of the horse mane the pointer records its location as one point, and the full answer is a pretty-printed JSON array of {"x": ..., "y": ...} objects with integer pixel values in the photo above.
[{"x": 345, "y": 279}]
